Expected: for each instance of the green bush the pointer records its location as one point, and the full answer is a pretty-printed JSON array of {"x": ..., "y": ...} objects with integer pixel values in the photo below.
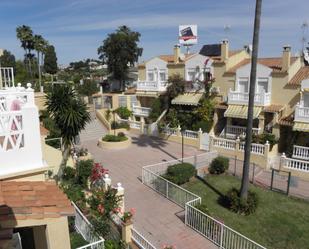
[
  {"x": 204, "y": 125},
  {"x": 69, "y": 173},
  {"x": 116, "y": 125},
  {"x": 219, "y": 165},
  {"x": 83, "y": 171},
  {"x": 123, "y": 112},
  {"x": 121, "y": 134},
  {"x": 263, "y": 138},
  {"x": 77, "y": 240},
  {"x": 240, "y": 206},
  {"x": 203, "y": 208},
  {"x": 114, "y": 244},
  {"x": 156, "y": 109},
  {"x": 113, "y": 138},
  {"x": 74, "y": 193},
  {"x": 180, "y": 173}
]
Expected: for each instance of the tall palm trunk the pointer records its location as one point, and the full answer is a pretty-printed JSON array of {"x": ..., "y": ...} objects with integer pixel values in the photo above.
[
  {"x": 39, "y": 69},
  {"x": 246, "y": 167},
  {"x": 65, "y": 158}
]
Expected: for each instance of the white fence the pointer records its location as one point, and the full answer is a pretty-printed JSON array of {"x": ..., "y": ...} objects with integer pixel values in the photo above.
[
  {"x": 85, "y": 228},
  {"x": 234, "y": 131},
  {"x": 236, "y": 97},
  {"x": 170, "y": 131},
  {"x": 221, "y": 235},
  {"x": 190, "y": 134},
  {"x": 6, "y": 77},
  {"x": 140, "y": 240},
  {"x": 224, "y": 143},
  {"x": 295, "y": 164},
  {"x": 141, "y": 111},
  {"x": 301, "y": 152},
  {"x": 255, "y": 148},
  {"x": 301, "y": 113}
]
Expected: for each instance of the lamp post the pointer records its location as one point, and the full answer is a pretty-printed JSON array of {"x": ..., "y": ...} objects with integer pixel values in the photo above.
[
  {"x": 182, "y": 145},
  {"x": 114, "y": 123}
]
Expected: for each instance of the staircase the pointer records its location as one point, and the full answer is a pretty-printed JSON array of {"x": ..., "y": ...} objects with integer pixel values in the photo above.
[{"x": 94, "y": 130}]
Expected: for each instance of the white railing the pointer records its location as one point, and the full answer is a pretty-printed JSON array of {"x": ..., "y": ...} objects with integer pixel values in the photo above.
[
  {"x": 301, "y": 113},
  {"x": 295, "y": 164},
  {"x": 236, "y": 131},
  {"x": 170, "y": 131},
  {"x": 6, "y": 77},
  {"x": 190, "y": 134},
  {"x": 17, "y": 96},
  {"x": 17, "y": 241},
  {"x": 141, "y": 111},
  {"x": 140, "y": 240},
  {"x": 236, "y": 97},
  {"x": 224, "y": 143},
  {"x": 300, "y": 152},
  {"x": 151, "y": 86},
  {"x": 135, "y": 124},
  {"x": 255, "y": 148},
  {"x": 85, "y": 228},
  {"x": 214, "y": 230}
]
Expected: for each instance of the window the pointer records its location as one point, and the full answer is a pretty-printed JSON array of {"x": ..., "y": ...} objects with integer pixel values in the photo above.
[
  {"x": 243, "y": 85},
  {"x": 162, "y": 75},
  {"x": 306, "y": 100},
  {"x": 262, "y": 85},
  {"x": 191, "y": 74},
  {"x": 150, "y": 76}
]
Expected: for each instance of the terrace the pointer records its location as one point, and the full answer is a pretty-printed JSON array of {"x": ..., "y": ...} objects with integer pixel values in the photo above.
[{"x": 241, "y": 98}]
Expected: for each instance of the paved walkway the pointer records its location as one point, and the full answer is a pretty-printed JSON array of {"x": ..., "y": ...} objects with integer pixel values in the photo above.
[{"x": 157, "y": 218}]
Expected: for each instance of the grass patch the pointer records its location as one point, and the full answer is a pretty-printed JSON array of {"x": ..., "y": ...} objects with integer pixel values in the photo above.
[{"x": 280, "y": 222}]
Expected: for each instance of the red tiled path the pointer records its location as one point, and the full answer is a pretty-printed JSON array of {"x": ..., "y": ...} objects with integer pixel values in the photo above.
[{"x": 156, "y": 218}]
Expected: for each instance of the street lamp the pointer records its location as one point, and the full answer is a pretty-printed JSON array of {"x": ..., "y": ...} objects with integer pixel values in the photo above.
[
  {"x": 182, "y": 144},
  {"x": 114, "y": 113}
]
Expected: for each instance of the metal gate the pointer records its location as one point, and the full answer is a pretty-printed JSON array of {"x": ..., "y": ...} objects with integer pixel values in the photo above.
[
  {"x": 280, "y": 181},
  {"x": 204, "y": 142}
]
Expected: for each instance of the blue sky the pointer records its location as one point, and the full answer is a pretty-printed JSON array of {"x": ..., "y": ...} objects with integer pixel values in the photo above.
[{"x": 77, "y": 27}]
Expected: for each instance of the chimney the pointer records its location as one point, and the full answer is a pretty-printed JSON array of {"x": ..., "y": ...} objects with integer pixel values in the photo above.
[
  {"x": 286, "y": 58},
  {"x": 176, "y": 53},
  {"x": 224, "y": 50}
]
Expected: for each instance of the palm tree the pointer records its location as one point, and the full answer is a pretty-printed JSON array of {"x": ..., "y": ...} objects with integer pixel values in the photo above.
[
  {"x": 70, "y": 115},
  {"x": 25, "y": 35},
  {"x": 39, "y": 46},
  {"x": 255, "y": 44}
]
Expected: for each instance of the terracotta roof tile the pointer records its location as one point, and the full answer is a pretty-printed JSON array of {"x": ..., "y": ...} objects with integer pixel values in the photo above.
[
  {"x": 32, "y": 200},
  {"x": 274, "y": 63},
  {"x": 286, "y": 121},
  {"x": 302, "y": 74},
  {"x": 273, "y": 108}
]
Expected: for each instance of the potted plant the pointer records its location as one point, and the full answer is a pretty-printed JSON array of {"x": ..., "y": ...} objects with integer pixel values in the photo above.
[{"x": 127, "y": 216}]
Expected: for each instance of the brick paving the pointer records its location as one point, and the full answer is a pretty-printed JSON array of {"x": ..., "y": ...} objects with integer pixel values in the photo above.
[{"x": 157, "y": 218}]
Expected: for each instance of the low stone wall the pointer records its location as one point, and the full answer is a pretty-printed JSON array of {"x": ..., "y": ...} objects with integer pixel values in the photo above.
[
  {"x": 178, "y": 139},
  {"x": 114, "y": 145}
]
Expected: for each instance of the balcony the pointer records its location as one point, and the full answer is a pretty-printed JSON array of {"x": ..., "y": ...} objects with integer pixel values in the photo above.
[
  {"x": 301, "y": 113},
  {"x": 151, "y": 86},
  {"x": 141, "y": 111},
  {"x": 234, "y": 131},
  {"x": 242, "y": 98}
]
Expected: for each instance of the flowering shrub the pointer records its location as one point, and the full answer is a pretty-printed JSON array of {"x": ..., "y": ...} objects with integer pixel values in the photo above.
[
  {"x": 97, "y": 172},
  {"x": 127, "y": 216}
]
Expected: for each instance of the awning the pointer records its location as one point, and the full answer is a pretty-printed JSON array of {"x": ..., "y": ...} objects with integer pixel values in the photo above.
[
  {"x": 187, "y": 99},
  {"x": 300, "y": 126},
  {"x": 241, "y": 111}
]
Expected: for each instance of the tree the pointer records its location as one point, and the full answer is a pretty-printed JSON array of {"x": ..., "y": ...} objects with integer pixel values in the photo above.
[
  {"x": 39, "y": 46},
  {"x": 25, "y": 35},
  {"x": 70, "y": 115},
  {"x": 119, "y": 51},
  {"x": 88, "y": 88},
  {"x": 246, "y": 166},
  {"x": 176, "y": 86},
  {"x": 50, "y": 60},
  {"x": 7, "y": 60}
]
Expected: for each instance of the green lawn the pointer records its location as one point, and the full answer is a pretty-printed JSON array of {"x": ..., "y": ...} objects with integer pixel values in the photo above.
[{"x": 280, "y": 222}]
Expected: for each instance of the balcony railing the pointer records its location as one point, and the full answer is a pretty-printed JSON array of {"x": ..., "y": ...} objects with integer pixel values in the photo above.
[
  {"x": 301, "y": 113},
  {"x": 6, "y": 77},
  {"x": 234, "y": 131},
  {"x": 236, "y": 97},
  {"x": 300, "y": 152},
  {"x": 141, "y": 111},
  {"x": 153, "y": 86}
]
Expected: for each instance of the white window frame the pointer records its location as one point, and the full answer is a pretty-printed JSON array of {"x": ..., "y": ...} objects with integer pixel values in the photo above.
[
  {"x": 161, "y": 71},
  {"x": 151, "y": 71},
  {"x": 190, "y": 70},
  {"x": 262, "y": 79},
  {"x": 242, "y": 79}
]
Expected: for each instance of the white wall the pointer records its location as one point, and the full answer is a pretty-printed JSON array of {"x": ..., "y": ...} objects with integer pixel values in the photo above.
[
  {"x": 198, "y": 60},
  {"x": 156, "y": 63}
]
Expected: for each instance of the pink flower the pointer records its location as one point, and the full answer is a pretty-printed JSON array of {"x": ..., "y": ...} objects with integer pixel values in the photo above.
[{"x": 101, "y": 208}]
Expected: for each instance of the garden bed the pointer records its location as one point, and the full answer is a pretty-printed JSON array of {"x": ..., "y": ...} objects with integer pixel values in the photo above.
[
  {"x": 279, "y": 221},
  {"x": 115, "y": 142}
]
